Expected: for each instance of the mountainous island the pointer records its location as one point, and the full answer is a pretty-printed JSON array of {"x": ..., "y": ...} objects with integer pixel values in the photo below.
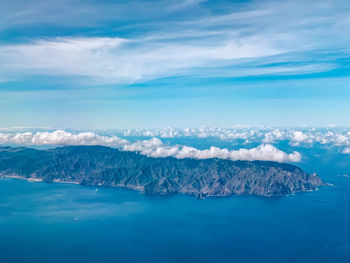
[{"x": 104, "y": 166}]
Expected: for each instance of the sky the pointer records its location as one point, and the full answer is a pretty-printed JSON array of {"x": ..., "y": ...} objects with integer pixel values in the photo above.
[{"x": 183, "y": 63}]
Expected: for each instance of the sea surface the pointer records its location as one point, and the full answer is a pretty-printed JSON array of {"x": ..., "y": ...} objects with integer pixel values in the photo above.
[{"x": 58, "y": 222}]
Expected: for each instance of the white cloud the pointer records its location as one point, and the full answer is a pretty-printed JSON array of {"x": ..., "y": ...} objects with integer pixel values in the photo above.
[
  {"x": 263, "y": 136},
  {"x": 117, "y": 60},
  {"x": 299, "y": 136},
  {"x": 346, "y": 151},
  {"x": 305, "y": 136},
  {"x": 204, "y": 43},
  {"x": 152, "y": 148},
  {"x": 265, "y": 152},
  {"x": 59, "y": 137}
]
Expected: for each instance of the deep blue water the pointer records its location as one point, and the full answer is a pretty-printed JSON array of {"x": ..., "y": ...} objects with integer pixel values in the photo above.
[{"x": 42, "y": 222}]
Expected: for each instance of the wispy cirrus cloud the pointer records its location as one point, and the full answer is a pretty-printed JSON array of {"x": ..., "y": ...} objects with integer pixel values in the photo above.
[
  {"x": 117, "y": 60},
  {"x": 269, "y": 62},
  {"x": 250, "y": 39}
]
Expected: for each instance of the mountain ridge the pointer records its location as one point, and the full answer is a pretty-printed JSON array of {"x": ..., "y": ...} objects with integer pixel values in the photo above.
[{"x": 105, "y": 166}]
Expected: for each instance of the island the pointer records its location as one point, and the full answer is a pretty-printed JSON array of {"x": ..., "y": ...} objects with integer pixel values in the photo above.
[{"x": 105, "y": 166}]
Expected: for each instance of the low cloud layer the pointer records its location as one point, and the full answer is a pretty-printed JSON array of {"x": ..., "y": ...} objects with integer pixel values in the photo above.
[
  {"x": 59, "y": 137},
  {"x": 266, "y": 152},
  {"x": 338, "y": 137},
  {"x": 153, "y": 147}
]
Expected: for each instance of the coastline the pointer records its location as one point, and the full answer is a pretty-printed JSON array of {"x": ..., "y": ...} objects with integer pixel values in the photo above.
[
  {"x": 140, "y": 189},
  {"x": 33, "y": 180},
  {"x": 21, "y": 178}
]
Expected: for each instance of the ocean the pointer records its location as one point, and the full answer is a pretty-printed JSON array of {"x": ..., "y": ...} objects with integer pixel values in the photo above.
[{"x": 41, "y": 222}]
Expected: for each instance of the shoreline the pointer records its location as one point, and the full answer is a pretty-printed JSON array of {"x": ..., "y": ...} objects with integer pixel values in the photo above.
[
  {"x": 34, "y": 180},
  {"x": 139, "y": 189},
  {"x": 21, "y": 178}
]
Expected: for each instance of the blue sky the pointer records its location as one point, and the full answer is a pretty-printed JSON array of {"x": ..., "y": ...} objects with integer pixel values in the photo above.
[{"x": 127, "y": 64}]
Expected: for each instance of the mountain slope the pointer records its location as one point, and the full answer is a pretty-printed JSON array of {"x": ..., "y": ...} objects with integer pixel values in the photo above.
[{"x": 97, "y": 165}]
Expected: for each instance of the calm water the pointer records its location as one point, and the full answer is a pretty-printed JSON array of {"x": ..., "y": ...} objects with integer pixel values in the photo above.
[{"x": 70, "y": 223}]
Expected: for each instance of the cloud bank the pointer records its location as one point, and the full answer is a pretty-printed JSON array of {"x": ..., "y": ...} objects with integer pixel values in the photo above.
[
  {"x": 267, "y": 152},
  {"x": 152, "y": 147},
  {"x": 59, "y": 137},
  {"x": 337, "y": 137}
]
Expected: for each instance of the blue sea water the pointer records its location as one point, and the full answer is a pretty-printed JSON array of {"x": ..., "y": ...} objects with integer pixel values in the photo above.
[{"x": 42, "y": 222}]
